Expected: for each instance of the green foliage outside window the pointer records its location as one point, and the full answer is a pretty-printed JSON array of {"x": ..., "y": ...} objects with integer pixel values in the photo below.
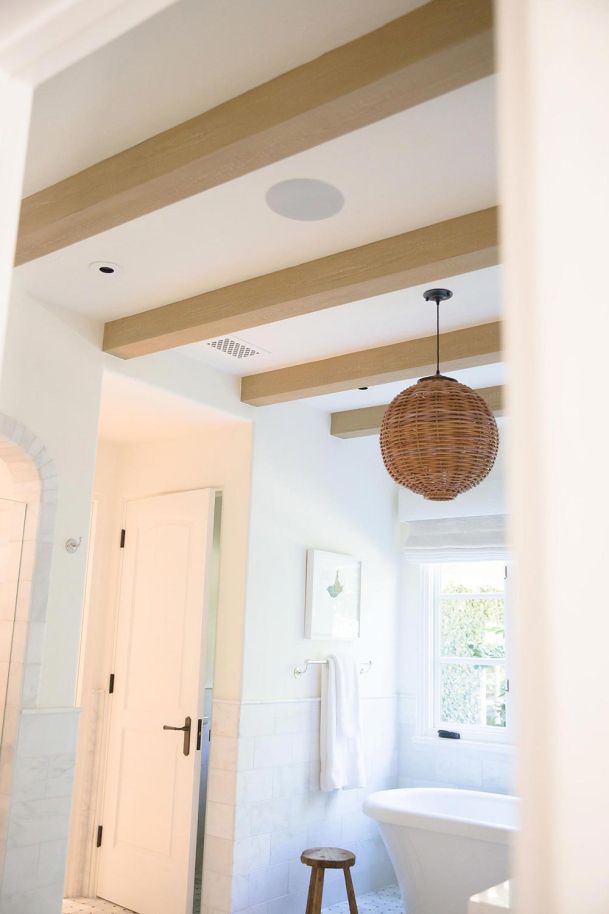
[{"x": 472, "y": 694}]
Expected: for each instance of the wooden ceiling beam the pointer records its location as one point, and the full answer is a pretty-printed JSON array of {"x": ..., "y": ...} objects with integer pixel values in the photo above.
[
  {"x": 359, "y": 423},
  {"x": 424, "y": 255},
  {"x": 467, "y": 348},
  {"x": 432, "y": 50}
]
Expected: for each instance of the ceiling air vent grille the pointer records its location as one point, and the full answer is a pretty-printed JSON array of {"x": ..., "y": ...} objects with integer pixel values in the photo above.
[{"x": 233, "y": 347}]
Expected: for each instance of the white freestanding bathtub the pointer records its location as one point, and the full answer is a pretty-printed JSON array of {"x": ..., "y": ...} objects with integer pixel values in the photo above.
[{"x": 445, "y": 845}]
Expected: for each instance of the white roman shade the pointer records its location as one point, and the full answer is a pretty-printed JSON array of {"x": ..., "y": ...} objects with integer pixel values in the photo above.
[{"x": 455, "y": 539}]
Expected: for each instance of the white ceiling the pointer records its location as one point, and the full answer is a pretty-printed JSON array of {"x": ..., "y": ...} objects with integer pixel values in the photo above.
[
  {"x": 131, "y": 411},
  {"x": 395, "y": 176},
  {"x": 177, "y": 64},
  {"x": 430, "y": 163},
  {"x": 361, "y": 325}
]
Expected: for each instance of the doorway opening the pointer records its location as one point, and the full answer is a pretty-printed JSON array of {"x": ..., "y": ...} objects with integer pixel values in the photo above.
[{"x": 146, "y": 676}]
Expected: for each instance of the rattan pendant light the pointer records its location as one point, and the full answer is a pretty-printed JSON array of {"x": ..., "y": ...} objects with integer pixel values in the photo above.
[{"x": 438, "y": 437}]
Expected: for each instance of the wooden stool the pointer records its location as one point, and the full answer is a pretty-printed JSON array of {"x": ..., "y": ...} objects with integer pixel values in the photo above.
[{"x": 321, "y": 859}]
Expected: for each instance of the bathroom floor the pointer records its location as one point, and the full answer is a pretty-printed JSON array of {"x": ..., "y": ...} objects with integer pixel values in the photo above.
[
  {"x": 91, "y": 906},
  {"x": 385, "y": 901}
]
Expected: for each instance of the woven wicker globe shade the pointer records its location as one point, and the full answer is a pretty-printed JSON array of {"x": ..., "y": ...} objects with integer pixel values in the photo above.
[{"x": 439, "y": 438}]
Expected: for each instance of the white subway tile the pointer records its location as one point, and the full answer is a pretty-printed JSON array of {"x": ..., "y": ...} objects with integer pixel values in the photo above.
[
  {"x": 243, "y": 821},
  {"x": 256, "y": 909},
  {"x": 255, "y": 785},
  {"x": 297, "y": 717},
  {"x": 325, "y": 834},
  {"x": 239, "y": 893},
  {"x": 52, "y": 862},
  {"x": 294, "y": 903},
  {"x": 298, "y": 876},
  {"x": 47, "y": 733},
  {"x": 218, "y": 854},
  {"x": 225, "y": 718},
  {"x": 30, "y": 779},
  {"x": 222, "y": 786},
  {"x": 224, "y": 752},
  {"x": 251, "y": 853},
  {"x": 258, "y": 719},
  {"x": 19, "y": 865},
  {"x": 245, "y": 759},
  {"x": 29, "y": 684},
  {"x": 269, "y": 816},
  {"x": 498, "y": 772},
  {"x": 290, "y": 780},
  {"x": 217, "y": 891},
  {"x": 35, "y": 821},
  {"x": 285, "y": 749},
  {"x": 456, "y": 766},
  {"x": 33, "y": 901},
  {"x": 60, "y": 776},
  {"x": 267, "y": 883},
  {"x": 220, "y": 820},
  {"x": 288, "y": 844}
]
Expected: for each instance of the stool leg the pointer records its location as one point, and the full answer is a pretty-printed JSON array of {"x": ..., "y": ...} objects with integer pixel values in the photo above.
[
  {"x": 316, "y": 885},
  {"x": 350, "y": 892},
  {"x": 312, "y": 881},
  {"x": 318, "y": 889}
]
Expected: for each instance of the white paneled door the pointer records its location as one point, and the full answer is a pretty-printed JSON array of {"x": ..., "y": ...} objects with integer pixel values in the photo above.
[{"x": 152, "y": 779}]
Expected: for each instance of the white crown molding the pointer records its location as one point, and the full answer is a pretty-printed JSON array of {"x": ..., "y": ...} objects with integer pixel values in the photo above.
[{"x": 43, "y": 37}]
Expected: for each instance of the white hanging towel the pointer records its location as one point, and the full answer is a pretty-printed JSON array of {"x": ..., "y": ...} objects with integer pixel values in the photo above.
[{"x": 340, "y": 736}]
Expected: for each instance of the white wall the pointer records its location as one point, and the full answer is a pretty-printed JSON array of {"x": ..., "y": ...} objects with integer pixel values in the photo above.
[
  {"x": 429, "y": 761},
  {"x": 310, "y": 490},
  {"x": 15, "y": 106},
  {"x": 50, "y": 381},
  {"x": 217, "y": 456}
]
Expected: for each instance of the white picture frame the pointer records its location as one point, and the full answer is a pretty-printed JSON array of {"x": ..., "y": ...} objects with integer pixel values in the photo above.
[{"x": 333, "y": 596}]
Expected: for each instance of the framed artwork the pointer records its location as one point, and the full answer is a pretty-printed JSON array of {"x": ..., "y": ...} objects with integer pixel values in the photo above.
[{"x": 332, "y": 596}]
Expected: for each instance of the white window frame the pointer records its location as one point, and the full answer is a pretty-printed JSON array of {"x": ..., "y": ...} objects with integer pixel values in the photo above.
[{"x": 428, "y": 707}]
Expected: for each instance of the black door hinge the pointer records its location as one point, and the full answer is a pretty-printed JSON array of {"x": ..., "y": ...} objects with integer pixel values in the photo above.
[
  {"x": 123, "y": 534},
  {"x": 111, "y": 684},
  {"x": 100, "y": 831}
]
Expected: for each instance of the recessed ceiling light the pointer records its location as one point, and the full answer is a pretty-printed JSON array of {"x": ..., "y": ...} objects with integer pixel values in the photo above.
[
  {"x": 305, "y": 199},
  {"x": 104, "y": 267}
]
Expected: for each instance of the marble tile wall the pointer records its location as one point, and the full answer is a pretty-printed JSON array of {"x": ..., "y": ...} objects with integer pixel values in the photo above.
[
  {"x": 38, "y": 814},
  {"x": 449, "y": 763},
  {"x": 265, "y": 806},
  {"x": 34, "y": 484}
]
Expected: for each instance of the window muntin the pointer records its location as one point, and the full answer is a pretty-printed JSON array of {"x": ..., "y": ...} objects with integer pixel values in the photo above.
[{"x": 467, "y": 676}]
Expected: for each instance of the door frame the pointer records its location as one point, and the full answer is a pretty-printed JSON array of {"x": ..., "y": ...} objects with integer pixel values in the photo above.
[{"x": 103, "y": 730}]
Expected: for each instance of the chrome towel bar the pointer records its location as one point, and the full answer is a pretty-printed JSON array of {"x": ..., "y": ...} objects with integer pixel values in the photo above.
[{"x": 301, "y": 670}]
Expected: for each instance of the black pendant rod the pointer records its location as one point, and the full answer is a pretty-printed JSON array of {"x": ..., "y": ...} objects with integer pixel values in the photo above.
[
  {"x": 437, "y": 295},
  {"x": 437, "y": 337}
]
